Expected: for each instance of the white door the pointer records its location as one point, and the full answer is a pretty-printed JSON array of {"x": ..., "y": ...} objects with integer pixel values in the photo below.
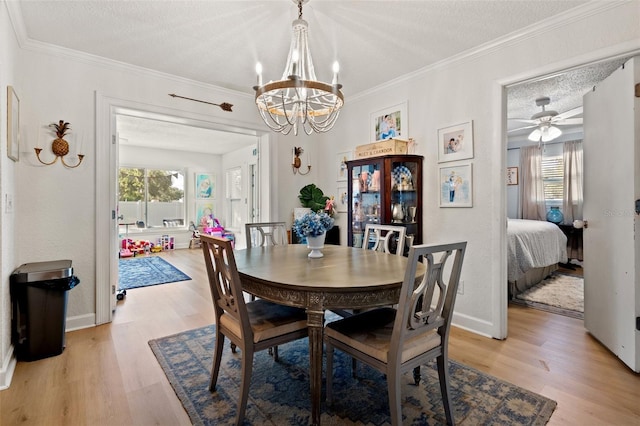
[{"x": 611, "y": 188}]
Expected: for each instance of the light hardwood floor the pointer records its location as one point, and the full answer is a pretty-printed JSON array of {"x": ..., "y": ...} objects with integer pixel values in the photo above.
[{"x": 107, "y": 375}]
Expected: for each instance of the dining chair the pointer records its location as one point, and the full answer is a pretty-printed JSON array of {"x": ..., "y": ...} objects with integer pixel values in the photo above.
[
  {"x": 251, "y": 326},
  {"x": 395, "y": 341},
  {"x": 266, "y": 233},
  {"x": 384, "y": 238},
  {"x": 260, "y": 234}
]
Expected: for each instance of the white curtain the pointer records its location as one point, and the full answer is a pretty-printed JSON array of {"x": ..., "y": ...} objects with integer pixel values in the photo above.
[
  {"x": 532, "y": 190},
  {"x": 572, "y": 198}
]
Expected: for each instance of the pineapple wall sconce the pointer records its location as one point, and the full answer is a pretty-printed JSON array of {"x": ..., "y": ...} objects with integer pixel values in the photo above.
[{"x": 59, "y": 146}]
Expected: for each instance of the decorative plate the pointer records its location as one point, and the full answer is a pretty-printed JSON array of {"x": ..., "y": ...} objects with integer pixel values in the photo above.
[{"x": 399, "y": 172}]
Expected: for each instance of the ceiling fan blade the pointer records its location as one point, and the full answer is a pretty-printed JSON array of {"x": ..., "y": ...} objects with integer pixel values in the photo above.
[
  {"x": 522, "y": 128},
  {"x": 522, "y": 120},
  {"x": 568, "y": 122},
  {"x": 571, "y": 113}
]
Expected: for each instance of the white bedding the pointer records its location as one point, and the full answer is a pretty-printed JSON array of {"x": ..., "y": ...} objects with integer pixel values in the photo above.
[{"x": 533, "y": 244}]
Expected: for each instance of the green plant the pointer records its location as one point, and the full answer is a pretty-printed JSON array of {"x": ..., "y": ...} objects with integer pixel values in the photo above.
[{"x": 312, "y": 197}]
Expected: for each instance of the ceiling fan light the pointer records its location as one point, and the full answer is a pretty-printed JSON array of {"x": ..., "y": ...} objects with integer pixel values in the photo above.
[
  {"x": 535, "y": 135},
  {"x": 550, "y": 133}
]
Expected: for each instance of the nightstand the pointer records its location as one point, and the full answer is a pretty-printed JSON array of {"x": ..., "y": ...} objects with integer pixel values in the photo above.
[{"x": 574, "y": 241}]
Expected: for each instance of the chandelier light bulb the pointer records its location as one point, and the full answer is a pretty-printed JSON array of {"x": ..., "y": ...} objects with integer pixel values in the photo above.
[{"x": 259, "y": 73}]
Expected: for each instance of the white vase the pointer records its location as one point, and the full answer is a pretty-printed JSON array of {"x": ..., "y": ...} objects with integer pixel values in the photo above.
[{"x": 316, "y": 244}]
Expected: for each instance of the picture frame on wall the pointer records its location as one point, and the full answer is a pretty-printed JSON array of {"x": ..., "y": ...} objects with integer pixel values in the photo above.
[
  {"x": 456, "y": 186},
  {"x": 455, "y": 142},
  {"x": 13, "y": 124},
  {"x": 342, "y": 199},
  {"x": 341, "y": 165},
  {"x": 204, "y": 209},
  {"x": 205, "y": 186},
  {"x": 512, "y": 175},
  {"x": 391, "y": 122}
]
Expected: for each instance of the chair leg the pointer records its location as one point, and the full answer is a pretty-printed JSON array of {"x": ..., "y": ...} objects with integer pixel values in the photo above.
[
  {"x": 329, "y": 353},
  {"x": 217, "y": 358},
  {"x": 247, "y": 368},
  {"x": 416, "y": 376},
  {"x": 393, "y": 385},
  {"x": 443, "y": 374}
]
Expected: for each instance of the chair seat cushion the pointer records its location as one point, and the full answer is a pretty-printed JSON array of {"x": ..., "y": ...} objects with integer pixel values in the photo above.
[
  {"x": 370, "y": 333},
  {"x": 268, "y": 320}
]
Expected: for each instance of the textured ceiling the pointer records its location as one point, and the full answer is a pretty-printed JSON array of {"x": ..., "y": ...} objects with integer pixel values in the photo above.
[{"x": 219, "y": 42}]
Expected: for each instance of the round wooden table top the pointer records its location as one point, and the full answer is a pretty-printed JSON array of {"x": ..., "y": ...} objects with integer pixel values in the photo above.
[{"x": 341, "y": 268}]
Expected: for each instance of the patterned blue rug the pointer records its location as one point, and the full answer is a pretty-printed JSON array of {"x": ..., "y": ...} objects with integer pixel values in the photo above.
[
  {"x": 145, "y": 271},
  {"x": 279, "y": 392}
]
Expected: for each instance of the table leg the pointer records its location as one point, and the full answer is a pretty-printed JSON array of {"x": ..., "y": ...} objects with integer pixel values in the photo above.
[{"x": 315, "y": 321}]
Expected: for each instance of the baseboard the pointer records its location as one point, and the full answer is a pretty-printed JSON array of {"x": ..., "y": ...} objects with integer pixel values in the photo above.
[
  {"x": 8, "y": 367},
  {"x": 80, "y": 322},
  {"x": 474, "y": 325}
]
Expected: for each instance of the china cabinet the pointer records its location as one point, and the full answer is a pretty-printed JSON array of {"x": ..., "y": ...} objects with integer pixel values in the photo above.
[{"x": 385, "y": 190}]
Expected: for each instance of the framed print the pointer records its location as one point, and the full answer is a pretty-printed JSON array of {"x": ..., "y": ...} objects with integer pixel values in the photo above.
[
  {"x": 341, "y": 165},
  {"x": 456, "y": 186},
  {"x": 455, "y": 142},
  {"x": 392, "y": 122},
  {"x": 342, "y": 202},
  {"x": 512, "y": 175},
  {"x": 13, "y": 124},
  {"x": 204, "y": 211},
  {"x": 205, "y": 186}
]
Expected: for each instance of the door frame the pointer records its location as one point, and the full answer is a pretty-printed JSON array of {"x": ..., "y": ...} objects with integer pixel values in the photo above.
[
  {"x": 106, "y": 148},
  {"x": 500, "y": 291}
]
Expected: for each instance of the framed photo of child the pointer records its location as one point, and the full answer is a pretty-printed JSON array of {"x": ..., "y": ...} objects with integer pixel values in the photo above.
[{"x": 455, "y": 142}]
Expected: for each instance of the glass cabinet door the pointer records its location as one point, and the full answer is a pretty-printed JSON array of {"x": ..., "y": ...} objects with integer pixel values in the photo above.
[
  {"x": 404, "y": 192},
  {"x": 365, "y": 201}
]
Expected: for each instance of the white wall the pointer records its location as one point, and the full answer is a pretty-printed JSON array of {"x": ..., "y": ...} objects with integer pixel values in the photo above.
[{"x": 9, "y": 76}]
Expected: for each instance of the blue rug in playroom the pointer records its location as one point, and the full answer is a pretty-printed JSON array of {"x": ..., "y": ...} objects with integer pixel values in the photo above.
[{"x": 146, "y": 271}]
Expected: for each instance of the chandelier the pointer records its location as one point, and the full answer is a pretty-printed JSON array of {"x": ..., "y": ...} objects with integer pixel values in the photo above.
[{"x": 299, "y": 100}]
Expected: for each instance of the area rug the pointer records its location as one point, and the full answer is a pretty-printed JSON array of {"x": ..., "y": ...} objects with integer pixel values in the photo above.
[
  {"x": 145, "y": 271},
  {"x": 279, "y": 391},
  {"x": 560, "y": 293}
]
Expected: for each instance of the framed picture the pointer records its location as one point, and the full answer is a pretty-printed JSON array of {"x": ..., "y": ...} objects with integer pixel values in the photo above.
[
  {"x": 455, "y": 142},
  {"x": 512, "y": 175},
  {"x": 13, "y": 124},
  {"x": 456, "y": 186},
  {"x": 341, "y": 165},
  {"x": 392, "y": 122},
  {"x": 342, "y": 199},
  {"x": 205, "y": 186},
  {"x": 203, "y": 211}
]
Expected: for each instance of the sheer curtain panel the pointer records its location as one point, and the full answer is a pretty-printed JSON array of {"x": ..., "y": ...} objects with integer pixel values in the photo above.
[{"x": 532, "y": 190}]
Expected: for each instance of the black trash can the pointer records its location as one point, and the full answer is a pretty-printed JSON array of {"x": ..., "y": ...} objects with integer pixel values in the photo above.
[{"x": 39, "y": 294}]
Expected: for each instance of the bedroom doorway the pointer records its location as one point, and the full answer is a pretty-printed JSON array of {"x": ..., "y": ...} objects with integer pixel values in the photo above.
[{"x": 561, "y": 92}]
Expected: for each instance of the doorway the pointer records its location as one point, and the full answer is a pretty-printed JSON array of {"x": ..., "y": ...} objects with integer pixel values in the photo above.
[
  {"x": 107, "y": 111},
  {"x": 526, "y": 101}
]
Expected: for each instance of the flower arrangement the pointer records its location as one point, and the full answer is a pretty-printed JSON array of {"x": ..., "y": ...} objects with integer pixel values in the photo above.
[{"x": 312, "y": 224}]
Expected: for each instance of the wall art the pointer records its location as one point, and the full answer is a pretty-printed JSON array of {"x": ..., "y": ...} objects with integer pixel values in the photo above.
[{"x": 455, "y": 142}]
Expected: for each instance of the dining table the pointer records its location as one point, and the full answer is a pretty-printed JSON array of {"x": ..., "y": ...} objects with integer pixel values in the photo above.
[{"x": 344, "y": 278}]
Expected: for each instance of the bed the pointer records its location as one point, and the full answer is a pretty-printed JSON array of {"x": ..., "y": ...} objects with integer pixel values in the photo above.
[{"x": 535, "y": 248}]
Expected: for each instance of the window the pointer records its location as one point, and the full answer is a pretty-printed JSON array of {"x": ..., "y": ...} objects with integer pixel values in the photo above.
[
  {"x": 151, "y": 197},
  {"x": 552, "y": 179}
]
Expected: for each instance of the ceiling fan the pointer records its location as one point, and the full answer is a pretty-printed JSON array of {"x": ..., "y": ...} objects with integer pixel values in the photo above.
[{"x": 546, "y": 121}]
